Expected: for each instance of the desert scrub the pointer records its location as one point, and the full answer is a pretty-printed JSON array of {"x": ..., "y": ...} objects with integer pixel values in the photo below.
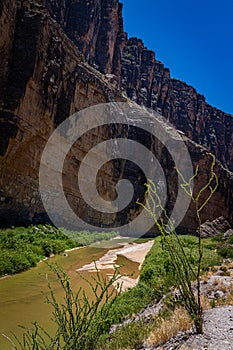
[
  {"x": 157, "y": 270},
  {"x": 225, "y": 247},
  {"x": 180, "y": 262},
  {"x": 156, "y": 276},
  {"x": 118, "y": 306},
  {"x": 170, "y": 326},
  {"x": 130, "y": 336},
  {"x": 86, "y": 237}
]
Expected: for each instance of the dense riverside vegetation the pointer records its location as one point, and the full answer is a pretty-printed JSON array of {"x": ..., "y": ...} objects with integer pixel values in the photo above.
[
  {"x": 22, "y": 248},
  {"x": 224, "y": 246},
  {"x": 156, "y": 278}
]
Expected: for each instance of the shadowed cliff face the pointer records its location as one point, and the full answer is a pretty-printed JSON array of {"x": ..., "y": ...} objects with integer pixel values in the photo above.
[
  {"x": 45, "y": 81},
  {"x": 96, "y": 27},
  {"x": 44, "y": 78},
  {"x": 146, "y": 81}
]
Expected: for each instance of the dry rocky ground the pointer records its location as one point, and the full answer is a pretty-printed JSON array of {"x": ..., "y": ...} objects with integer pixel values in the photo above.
[
  {"x": 217, "y": 301},
  {"x": 217, "y": 292},
  {"x": 218, "y": 333}
]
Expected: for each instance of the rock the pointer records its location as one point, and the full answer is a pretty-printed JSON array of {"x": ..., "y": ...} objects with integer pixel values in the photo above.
[
  {"x": 215, "y": 227},
  {"x": 145, "y": 315},
  {"x": 228, "y": 234},
  {"x": 96, "y": 28},
  {"x": 44, "y": 78},
  {"x": 146, "y": 81},
  {"x": 217, "y": 331},
  {"x": 219, "y": 294}
]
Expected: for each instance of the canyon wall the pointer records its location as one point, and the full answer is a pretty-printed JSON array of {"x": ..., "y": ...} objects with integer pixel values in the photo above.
[
  {"x": 44, "y": 79},
  {"x": 147, "y": 82},
  {"x": 49, "y": 54},
  {"x": 96, "y": 28}
]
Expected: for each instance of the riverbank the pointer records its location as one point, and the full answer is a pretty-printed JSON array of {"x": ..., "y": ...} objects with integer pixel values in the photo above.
[
  {"x": 66, "y": 251},
  {"x": 21, "y": 299},
  {"x": 24, "y": 247},
  {"x": 159, "y": 319},
  {"x": 153, "y": 283},
  {"x": 132, "y": 251}
]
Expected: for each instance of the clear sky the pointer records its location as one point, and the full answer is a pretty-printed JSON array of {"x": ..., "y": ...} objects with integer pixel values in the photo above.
[{"x": 192, "y": 38}]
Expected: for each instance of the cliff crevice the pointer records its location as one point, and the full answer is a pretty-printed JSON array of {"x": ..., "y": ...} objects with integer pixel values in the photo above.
[{"x": 50, "y": 52}]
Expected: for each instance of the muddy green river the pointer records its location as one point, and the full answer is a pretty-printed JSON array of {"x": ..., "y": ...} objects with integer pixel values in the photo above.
[{"x": 21, "y": 296}]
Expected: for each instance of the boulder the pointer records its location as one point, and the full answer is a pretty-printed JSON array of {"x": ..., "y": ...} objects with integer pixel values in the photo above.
[
  {"x": 228, "y": 234},
  {"x": 213, "y": 228}
]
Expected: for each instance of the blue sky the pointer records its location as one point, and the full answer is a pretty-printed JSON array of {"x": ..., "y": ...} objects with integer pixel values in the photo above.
[{"x": 192, "y": 38}]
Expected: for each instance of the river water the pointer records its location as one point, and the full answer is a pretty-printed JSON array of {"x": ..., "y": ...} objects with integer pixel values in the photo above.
[{"x": 22, "y": 295}]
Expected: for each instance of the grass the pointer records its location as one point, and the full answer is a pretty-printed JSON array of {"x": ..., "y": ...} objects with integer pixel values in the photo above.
[
  {"x": 224, "y": 246},
  {"x": 156, "y": 279},
  {"x": 155, "y": 332},
  {"x": 86, "y": 237},
  {"x": 156, "y": 276},
  {"x": 178, "y": 321},
  {"x": 130, "y": 336},
  {"x": 157, "y": 269}
]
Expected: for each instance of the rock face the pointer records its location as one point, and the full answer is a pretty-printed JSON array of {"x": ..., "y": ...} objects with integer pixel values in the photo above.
[
  {"x": 212, "y": 229},
  {"x": 45, "y": 48},
  {"x": 228, "y": 233},
  {"x": 96, "y": 28},
  {"x": 44, "y": 79},
  {"x": 146, "y": 81}
]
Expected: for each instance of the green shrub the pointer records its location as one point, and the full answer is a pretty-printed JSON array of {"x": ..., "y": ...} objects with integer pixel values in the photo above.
[
  {"x": 225, "y": 251},
  {"x": 24, "y": 247},
  {"x": 131, "y": 302},
  {"x": 78, "y": 322},
  {"x": 230, "y": 240},
  {"x": 218, "y": 238}
]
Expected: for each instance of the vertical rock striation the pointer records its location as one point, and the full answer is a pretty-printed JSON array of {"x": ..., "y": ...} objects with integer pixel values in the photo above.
[
  {"x": 96, "y": 28},
  {"x": 48, "y": 50},
  {"x": 147, "y": 82},
  {"x": 44, "y": 80}
]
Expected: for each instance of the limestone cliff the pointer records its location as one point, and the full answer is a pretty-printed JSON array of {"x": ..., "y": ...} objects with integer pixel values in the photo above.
[
  {"x": 221, "y": 203},
  {"x": 146, "y": 81},
  {"x": 44, "y": 79},
  {"x": 48, "y": 49},
  {"x": 96, "y": 28}
]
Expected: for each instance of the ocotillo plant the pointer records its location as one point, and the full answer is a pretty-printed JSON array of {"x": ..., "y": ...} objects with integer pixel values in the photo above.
[{"x": 184, "y": 271}]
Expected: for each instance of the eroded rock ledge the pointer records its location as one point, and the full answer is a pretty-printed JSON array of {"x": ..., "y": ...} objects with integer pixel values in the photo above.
[{"x": 44, "y": 78}]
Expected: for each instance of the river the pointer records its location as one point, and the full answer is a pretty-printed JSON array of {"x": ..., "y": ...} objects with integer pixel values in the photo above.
[{"x": 22, "y": 295}]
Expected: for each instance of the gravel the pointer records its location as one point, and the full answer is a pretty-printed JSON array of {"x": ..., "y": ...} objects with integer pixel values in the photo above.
[{"x": 218, "y": 331}]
